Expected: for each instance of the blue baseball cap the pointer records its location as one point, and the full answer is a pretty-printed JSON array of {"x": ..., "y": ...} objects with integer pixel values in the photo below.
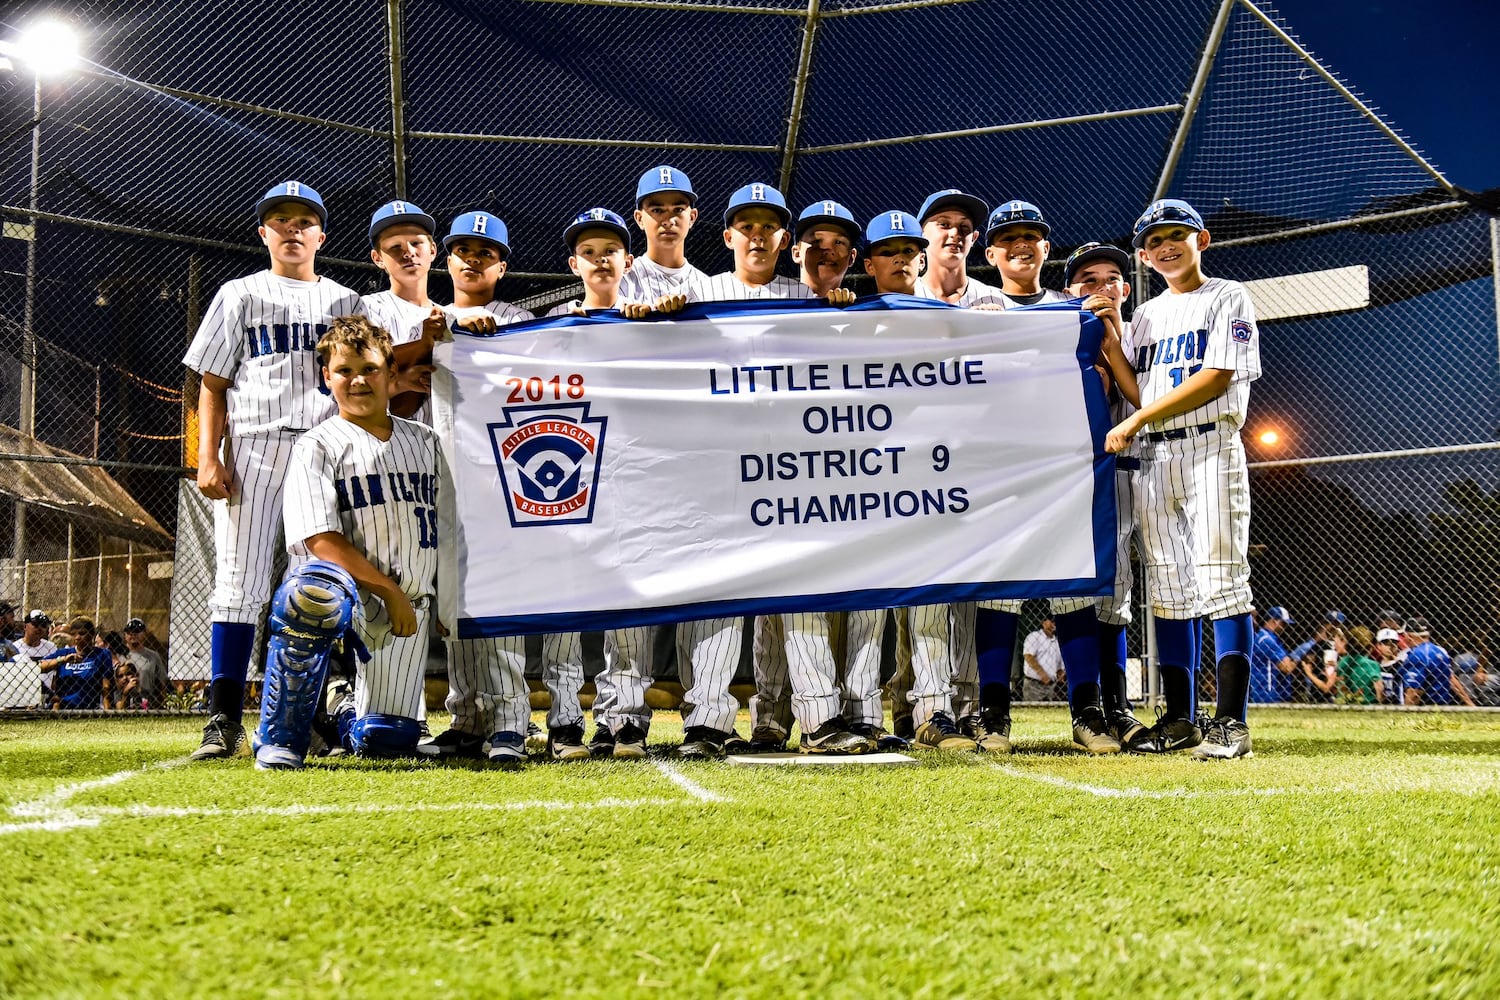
[
  {"x": 480, "y": 225},
  {"x": 292, "y": 191},
  {"x": 1280, "y": 614},
  {"x": 1335, "y": 618},
  {"x": 399, "y": 213},
  {"x": 664, "y": 178},
  {"x": 1016, "y": 213},
  {"x": 971, "y": 206},
  {"x": 596, "y": 218},
  {"x": 1166, "y": 212},
  {"x": 1090, "y": 252},
  {"x": 892, "y": 225},
  {"x": 757, "y": 195},
  {"x": 832, "y": 213}
]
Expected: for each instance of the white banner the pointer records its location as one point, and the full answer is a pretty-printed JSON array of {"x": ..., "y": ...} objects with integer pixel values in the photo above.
[{"x": 771, "y": 456}]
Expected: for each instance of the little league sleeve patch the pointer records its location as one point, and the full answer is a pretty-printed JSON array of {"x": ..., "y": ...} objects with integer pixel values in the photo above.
[{"x": 1240, "y": 330}]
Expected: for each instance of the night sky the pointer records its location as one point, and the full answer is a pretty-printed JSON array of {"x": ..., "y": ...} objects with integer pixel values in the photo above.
[{"x": 1430, "y": 68}]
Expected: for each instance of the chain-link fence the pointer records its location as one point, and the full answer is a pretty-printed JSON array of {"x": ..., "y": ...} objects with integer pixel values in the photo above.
[{"x": 126, "y": 189}]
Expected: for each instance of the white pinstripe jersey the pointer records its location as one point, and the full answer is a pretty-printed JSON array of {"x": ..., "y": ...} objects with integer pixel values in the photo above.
[
  {"x": 260, "y": 333},
  {"x": 380, "y": 495},
  {"x": 401, "y": 319},
  {"x": 1174, "y": 335},
  {"x": 975, "y": 292},
  {"x": 999, "y": 298},
  {"x": 647, "y": 281},
  {"x": 505, "y": 314},
  {"x": 727, "y": 288},
  {"x": 566, "y": 308}
]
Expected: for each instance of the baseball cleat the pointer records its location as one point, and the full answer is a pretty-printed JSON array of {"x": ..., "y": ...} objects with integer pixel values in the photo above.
[
  {"x": 566, "y": 743},
  {"x": 453, "y": 743},
  {"x": 1131, "y": 732},
  {"x": 939, "y": 733},
  {"x": 507, "y": 748},
  {"x": 222, "y": 737},
  {"x": 1225, "y": 739},
  {"x": 834, "y": 739},
  {"x": 765, "y": 740},
  {"x": 989, "y": 728},
  {"x": 536, "y": 737},
  {"x": 1174, "y": 734},
  {"x": 1091, "y": 733},
  {"x": 274, "y": 758},
  {"x": 603, "y": 742},
  {"x": 703, "y": 743},
  {"x": 877, "y": 734},
  {"x": 629, "y": 743}
]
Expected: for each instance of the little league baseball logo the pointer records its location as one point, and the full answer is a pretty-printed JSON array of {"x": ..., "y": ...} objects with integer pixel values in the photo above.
[
  {"x": 1240, "y": 330},
  {"x": 548, "y": 457}
]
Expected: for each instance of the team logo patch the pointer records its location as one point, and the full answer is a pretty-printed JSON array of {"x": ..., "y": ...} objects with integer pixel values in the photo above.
[
  {"x": 1240, "y": 330},
  {"x": 548, "y": 457}
]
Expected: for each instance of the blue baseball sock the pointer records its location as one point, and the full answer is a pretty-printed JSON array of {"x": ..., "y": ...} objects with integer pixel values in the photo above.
[
  {"x": 1233, "y": 638},
  {"x": 1112, "y": 655},
  {"x": 1078, "y": 640},
  {"x": 1174, "y": 647},
  {"x": 995, "y": 641},
  {"x": 230, "y": 644}
]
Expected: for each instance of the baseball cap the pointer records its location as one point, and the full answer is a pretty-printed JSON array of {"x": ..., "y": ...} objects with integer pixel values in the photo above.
[
  {"x": 596, "y": 218},
  {"x": 1015, "y": 213},
  {"x": 399, "y": 213},
  {"x": 1387, "y": 635},
  {"x": 757, "y": 195},
  {"x": 973, "y": 207},
  {"x": 135, "y": 625},
  {"x": 7, "y": 608},
  {"x": 292, "y": 191},
  {"x": 39, "y": 618},
  {"x": 1280, "y": 614},
  {"x": 1090, "y": 252},
  {"x": 663, "y": 178},
  {"x": 1389, "y": 616},
  {"x": 1335, "y": 618},
  {"x": 889, "y": 225},
  {"x": 830, "y": 212},
  {"x": 1466, "y": 663},
  {"x": 482, "y": 225},
  {"x": 1165, "y": 212},
  {"x": 1417, "y": 626}
]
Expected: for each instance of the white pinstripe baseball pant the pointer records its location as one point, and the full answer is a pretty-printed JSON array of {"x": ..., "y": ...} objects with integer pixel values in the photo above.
[{"x": 487, "y": 690}]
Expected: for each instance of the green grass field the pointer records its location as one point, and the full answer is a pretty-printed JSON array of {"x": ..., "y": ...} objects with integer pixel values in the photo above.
[{"x": 1354, "y": 855}]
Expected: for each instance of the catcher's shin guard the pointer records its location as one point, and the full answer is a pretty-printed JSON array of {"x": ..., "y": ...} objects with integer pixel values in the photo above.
[
  {"x": 313, "y": 608},
  {"x": 384, "y": 736}
]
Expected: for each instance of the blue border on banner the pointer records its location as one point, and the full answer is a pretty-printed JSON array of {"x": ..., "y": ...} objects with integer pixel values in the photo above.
[
  {"x": 1090, "y": 338},
  {"x": 848, "y": 600}
]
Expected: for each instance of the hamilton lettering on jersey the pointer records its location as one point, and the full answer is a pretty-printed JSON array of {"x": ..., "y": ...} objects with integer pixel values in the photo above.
[
  {"x": 359, "y": 492},
  {"x": 1181, "y": 354},
  {"x": 283, "y": 338}
]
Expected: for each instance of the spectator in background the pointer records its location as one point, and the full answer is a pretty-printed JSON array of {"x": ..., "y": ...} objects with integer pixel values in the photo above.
[
  {"x": 9, "y": 630},
  {"x": 35, "y": 646},
  {"x": 1302, "y": 691},
  {"x": 1482, "y": 682},
  {"x": 1388, "y": 650},
  {"x": 1429, "y": 674},
  {"x": 148, "y": 665},
  {"x": 83, "y": 672},
  {"x": 1358, "y": 673},
  {"x": 1319, "y": 665},
  {"x": 1044, "y": 667},
  {"x": 1270, "y": 666},
  {"x": 127, "y": 693}
]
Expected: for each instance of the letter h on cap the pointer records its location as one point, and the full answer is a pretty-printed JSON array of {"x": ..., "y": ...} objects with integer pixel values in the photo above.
[
  {"x": 294, "y": 189},
  {"x": 897, "y": 225},
  {"x": 757, "y": 192},
  {"x": 664, "y": 175},
  {"x": 479, "y": 223}
]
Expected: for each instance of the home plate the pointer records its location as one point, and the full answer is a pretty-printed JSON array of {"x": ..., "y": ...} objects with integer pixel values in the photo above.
[{"x": 886, "y": 759}]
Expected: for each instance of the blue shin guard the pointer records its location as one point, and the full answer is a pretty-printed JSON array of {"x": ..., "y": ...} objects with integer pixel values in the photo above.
[
  {"x": 1233, "y": 639},
  {"x": 1078, "y": 641},
  {"x": 313, "y": 608},
  {"x": 1176, "y": 642},
  {"x": 384, "y": 736}
]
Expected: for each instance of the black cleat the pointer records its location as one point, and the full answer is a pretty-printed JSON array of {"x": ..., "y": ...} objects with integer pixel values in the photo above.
[
  {"x": 603, "y": 743},
  {"x": 222, "y": 737},
  {"x": 835, "y": 739},
  {"x": 703, "y": 743},
  {"x": 629, "y": 743},
  {"x": 453, "y": 743},
  {"x": 1169, "y": 735}
]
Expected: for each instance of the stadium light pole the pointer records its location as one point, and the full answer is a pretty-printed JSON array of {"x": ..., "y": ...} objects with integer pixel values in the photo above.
[{"x": 50, "y": 49}]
